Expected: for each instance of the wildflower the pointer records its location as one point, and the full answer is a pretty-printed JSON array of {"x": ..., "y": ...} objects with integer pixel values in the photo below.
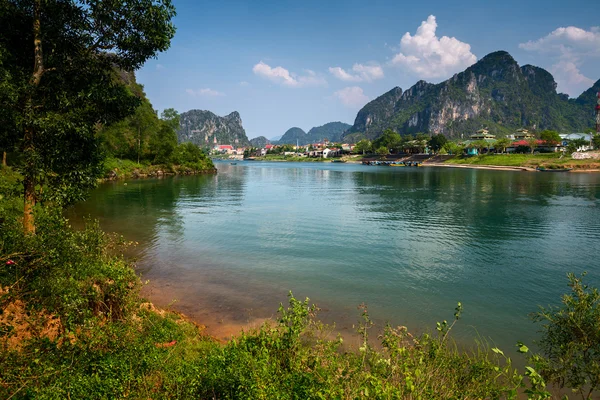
[{"x": 10, "y": 262}]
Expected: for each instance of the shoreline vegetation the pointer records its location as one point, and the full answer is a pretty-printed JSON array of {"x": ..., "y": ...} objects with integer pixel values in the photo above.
[
  {"x": 118, "y": 169},
  {"x": 507, "y": 162},
  {"x": 74, "y": 325}
]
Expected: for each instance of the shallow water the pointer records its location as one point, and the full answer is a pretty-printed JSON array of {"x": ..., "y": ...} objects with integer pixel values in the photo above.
[{"x": 408, "y": 242}]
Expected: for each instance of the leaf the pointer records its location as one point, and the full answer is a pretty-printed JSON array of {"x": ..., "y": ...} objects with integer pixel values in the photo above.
[{"x": 497, "y": 351}]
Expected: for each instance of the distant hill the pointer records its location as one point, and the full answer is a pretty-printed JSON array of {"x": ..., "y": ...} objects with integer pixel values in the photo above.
[
  {"x": 494, "y": 92},
  {"x": 331, "y": 131},
  {"x": 274, "y": 139},
  {"x": 259, "y": 142},
  {"x": 205, "y": 128},
  {"x": 291, "y": 135}
]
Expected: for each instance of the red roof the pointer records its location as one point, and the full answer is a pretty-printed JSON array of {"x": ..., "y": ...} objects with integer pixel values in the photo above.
[
  {"x": 225, "y": 147},
  {"x": 526, "y": 143},
  {"x": 269, "y": 146}
]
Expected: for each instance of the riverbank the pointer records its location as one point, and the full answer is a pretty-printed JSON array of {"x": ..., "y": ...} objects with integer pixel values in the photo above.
[
  {"x": 115, "y": 169},
  {"x": 527, "y": 162}
]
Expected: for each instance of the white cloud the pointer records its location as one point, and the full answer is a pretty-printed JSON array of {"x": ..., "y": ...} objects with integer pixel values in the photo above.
[
  {"x": 568, "y": 48},
  {"x": 284, "y": 77},
  {"x": 361, "y": 73},
  {"x": 207, "y": 92},
  {"x": 428, "y": 56},
  {"x": 352, "y": 97},
  {"x": 570, "y": 40}
]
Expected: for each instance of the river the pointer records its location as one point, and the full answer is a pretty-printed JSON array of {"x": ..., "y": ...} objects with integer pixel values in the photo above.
[{"x": 410, "y": 243}]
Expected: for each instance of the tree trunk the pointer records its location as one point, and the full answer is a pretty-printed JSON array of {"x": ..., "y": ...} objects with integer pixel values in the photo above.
[
  {"x": 28, "y": 220},
  {"x": 4, "y": 159},
  {"x": 29, "y": 137}
]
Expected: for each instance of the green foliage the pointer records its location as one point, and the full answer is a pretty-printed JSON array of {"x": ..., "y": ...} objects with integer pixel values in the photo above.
[
  {"x": 453, "y": 148},
  {"x": 501, "y": 144},
  {"x": 437, "y": 142},
  {"x": 596, "y": 141},
  {"x": 571, "y": 339},
  {"x": 364, "y": 146},
  {"x": 550, "y": 137},
  {"x": 390, "y": 140}
]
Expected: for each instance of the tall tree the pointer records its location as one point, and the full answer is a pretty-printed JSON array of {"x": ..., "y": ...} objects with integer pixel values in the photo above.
[
  {"x": 437, "y": 142},
  {"x": 76, "y": 48}
]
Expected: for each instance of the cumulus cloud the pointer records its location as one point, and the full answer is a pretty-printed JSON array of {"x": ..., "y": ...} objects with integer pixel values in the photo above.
[
  {"x": 360, "y": 73},
  {"x": 427, "y": 56},
  {"x": 206, "y": 92},
  {"x": 352, "y": 97},
  {"x": 569, "y": 48},
  {"x": 284, "y": 77}
]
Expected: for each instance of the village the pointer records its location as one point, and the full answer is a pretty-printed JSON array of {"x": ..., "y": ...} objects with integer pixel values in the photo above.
[{"x": 480, "y": 142}]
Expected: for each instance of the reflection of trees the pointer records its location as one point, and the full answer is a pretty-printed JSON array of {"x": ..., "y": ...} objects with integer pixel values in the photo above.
[
  {"x": 492, "y": 204},
  {"x": 139, "y": 209}
]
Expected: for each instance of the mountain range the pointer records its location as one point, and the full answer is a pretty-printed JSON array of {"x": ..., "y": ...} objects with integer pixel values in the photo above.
[
  {"x": 495, "y": 93},
  {"x": 331, "y": 131}
]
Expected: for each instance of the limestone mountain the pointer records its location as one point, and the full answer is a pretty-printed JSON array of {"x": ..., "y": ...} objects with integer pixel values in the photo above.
[
  {"x": 259, "y": 142},
  {"x": 331, "y": 131},
  {"x": 495, "y": 92},
  {"x": 205, "y": 128},
  {"x": 291, "y": 135}
]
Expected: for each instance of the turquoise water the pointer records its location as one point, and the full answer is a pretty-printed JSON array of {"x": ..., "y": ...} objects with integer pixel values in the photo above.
[{"x": 408, "y": 242}]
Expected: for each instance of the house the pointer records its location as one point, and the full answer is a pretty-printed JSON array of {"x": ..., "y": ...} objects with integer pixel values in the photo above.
[
  {"x": 224, "y": 149},
  {"x": 333, "y": 152},
  {"x": 523, "y": 134},
  {"x": 566, "y": 138},
  {"x": 483, "y": 134}
]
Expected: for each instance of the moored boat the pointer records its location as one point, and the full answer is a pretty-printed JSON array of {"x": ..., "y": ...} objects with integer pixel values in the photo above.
[{"x": 544, "y": 169}]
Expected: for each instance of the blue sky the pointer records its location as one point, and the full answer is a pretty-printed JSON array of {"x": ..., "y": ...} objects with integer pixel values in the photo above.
[{"x": 305, "y": 63}]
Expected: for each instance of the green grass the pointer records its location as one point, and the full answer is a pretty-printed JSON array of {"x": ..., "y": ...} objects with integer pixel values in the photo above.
[{"x": 524, "y": 160}]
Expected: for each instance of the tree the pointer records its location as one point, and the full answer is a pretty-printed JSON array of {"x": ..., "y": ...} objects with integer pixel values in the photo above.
[
  {"x": 363, "y": 146},
  {"x": 437, "y": 142},
  {"x": 596, "y": 141},
  {"x": 390, "y": 140},
  {"x": 382, "y": 151},
  {"x": 571, "y": 339},
  {"x": 453, "y": 148},
  {"x": 532, "y": 143},
  {"x": 501, "y": 144},
  {"x": 79, "y": 51},
  {"x": 550, "y": 137}
]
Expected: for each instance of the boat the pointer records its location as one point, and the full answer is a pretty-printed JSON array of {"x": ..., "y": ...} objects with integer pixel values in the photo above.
[
  {"x": 338, "y": 161},
  {"x": 544, "y": 169},
  {"x": 233, "y": 163},
  {"x": 397, "y": 165}
]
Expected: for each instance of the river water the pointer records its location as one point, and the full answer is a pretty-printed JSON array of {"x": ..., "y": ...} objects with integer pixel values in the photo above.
[{"x": 410, "y": 243}]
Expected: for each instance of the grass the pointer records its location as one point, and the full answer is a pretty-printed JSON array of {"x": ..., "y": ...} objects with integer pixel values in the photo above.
[{"x": 526, "y": 160}]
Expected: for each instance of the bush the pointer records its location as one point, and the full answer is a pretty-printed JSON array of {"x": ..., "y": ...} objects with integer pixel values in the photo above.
[{"x": 571, "y": 340}]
